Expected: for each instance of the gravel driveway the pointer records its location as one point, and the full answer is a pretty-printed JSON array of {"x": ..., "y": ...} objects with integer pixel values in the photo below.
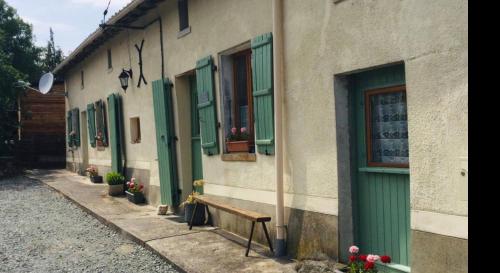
[{"x": 41, "y": 231}]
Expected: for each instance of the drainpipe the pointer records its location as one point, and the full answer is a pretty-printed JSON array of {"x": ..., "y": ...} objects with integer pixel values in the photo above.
[{"x": 278, "y": 101}]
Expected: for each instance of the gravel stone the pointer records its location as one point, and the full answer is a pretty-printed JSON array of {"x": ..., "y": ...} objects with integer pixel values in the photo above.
[{"x": 41, "y": 231}]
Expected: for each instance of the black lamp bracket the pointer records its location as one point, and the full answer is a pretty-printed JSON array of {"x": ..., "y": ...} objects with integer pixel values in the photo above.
[{"x": 129, "y": 72}]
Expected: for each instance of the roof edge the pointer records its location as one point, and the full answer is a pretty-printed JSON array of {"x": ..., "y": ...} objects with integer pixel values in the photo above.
[{"x": 97, "y": 34}]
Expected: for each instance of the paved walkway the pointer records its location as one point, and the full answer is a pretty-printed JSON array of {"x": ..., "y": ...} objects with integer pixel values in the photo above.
[
  {"x": 41, "y": 232},
  {"x": 200, "y": 250}
]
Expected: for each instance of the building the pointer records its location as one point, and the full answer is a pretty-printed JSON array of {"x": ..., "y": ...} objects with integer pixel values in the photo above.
[
  {"x": 374, "y": 117},
  {"x": 42, "y": 133}
]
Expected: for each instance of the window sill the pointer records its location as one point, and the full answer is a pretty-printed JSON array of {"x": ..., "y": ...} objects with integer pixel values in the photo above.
[
  {"x": 249, "y": 157},
  {"x": 384, "y": 170},
  {"x": 184, "y": 32}
]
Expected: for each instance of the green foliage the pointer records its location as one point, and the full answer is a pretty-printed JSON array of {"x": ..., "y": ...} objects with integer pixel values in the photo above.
[
  {"x": 52, "y": 56},
  {"x": 19, "y": 60},
  {"x": 114, "y": 178}
]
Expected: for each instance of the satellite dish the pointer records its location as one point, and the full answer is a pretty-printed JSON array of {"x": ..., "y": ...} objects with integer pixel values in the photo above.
[{"x": 45, "y": 83}]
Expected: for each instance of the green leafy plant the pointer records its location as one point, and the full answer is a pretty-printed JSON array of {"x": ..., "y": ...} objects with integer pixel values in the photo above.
[{"x": 114, "y": 178}]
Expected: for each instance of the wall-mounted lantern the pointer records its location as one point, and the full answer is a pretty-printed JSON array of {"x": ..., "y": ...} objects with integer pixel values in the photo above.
[{"x": 124, "y": 78}]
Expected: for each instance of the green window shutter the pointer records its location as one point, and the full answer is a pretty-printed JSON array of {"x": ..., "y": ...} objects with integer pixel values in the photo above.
[
  {"x": 69, "y": 125},
  {"x": 206, "y": 106},
  {"x": 91, "y": 123},
  {"x": 114, "y": 133},
  {"x": 76, "y": 126},
  {"x": 165, "y": 142},
  {"x": 262, "y": 80}
]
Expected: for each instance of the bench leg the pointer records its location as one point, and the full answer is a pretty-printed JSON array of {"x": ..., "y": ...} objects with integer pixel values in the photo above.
[
  {"x": 250, "y": 239},
  {"x": 192, "y": 216},
  {"x": 209, "y": 217},
  {"x": 267, "y": 236}
]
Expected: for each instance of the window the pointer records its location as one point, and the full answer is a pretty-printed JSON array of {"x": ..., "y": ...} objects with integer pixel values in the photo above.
[
  {"x": 101, "y": 128},
  {"x": 183, "y": 17},
  {"x": 110, "y": 61},
  {"x": 238, "y": 97},
  {"x": 135, "y": 130},
  {"x": 81, "y": 78},
  {"x": 387, "y": 127}
]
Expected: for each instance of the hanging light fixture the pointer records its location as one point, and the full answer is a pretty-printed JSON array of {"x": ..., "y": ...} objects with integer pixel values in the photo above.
[{"x": 124, "y": 78}]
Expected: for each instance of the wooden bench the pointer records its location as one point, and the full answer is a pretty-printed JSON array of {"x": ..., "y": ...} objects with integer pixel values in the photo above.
[{"x": 250, "y": 215}]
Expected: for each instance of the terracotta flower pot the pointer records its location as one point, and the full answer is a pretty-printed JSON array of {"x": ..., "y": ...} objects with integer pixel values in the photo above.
[
  {"x": 238, "y": 146},
  {"x": 115, "y": 190}
]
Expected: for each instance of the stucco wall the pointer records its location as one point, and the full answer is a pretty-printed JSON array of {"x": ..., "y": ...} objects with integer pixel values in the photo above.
[
  {"x": 430, "y": 37},
  {"x": 322, "y": 39}
]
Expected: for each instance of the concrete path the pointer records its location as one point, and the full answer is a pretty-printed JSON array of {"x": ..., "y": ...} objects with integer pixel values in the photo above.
[{"x": 200, "y": 250}]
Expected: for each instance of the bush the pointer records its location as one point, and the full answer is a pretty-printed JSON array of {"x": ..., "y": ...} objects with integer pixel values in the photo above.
[{"x": 114, "y": 178}]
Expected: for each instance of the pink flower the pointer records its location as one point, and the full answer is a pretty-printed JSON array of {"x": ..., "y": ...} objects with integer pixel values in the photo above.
[
  {"x": 233, "y": 130},
  {"x": 132, "y": 180},
  {"x": 372, "y": 258},
  {"x": 353, "y": 249},
  {"x": 131, "y": 185},
  {"x": 243, "y": 129}
]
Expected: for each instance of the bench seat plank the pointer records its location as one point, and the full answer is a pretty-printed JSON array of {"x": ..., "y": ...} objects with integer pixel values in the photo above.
[{"x": 251, "y": 215}]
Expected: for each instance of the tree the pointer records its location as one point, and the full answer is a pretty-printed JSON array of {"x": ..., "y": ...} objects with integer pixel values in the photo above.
[
  {"x": 52, "y": 56},
  {"x": 19, "y": 60}
]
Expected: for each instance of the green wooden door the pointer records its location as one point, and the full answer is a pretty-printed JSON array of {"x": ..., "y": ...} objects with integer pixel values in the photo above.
[
  {"x": 115, "y": 132},
  {"x": 381, "y": 180},
  {"x": 196, "y": 163},
  {"x": 165, "y": 141}
]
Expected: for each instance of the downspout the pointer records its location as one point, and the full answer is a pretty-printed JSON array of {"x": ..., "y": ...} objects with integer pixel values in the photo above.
[{"x": 278, "y": 103}]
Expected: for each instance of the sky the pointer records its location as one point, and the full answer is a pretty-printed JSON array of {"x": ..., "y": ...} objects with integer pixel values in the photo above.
[{"x": 71, "y": 20}]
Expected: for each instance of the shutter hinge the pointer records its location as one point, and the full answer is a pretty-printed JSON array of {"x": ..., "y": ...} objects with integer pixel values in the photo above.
[
  {"x": 218, "y": 124},
  {"x": 214, "y": 67}
]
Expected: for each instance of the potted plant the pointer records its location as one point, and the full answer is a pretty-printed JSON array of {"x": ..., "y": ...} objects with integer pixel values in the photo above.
[
  {"x": 115, "y": 182},
  {"x": 198, "y": 185},
  {"x": 94, "y": 177},
  {"x": 237, "y": 141},
  {"x": 189, "y": 205},
  {"x": 359, "y": 263},
  {"x": 134, "y": 192}
]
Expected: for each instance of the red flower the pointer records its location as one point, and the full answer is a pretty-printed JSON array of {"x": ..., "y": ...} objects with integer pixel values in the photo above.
[
  {"x": 131, "y": 185},
  {"x": 140, "y": 187},
  {"x": 385, "y": 259},
  {"x": 362, "y": 258},
  {"x": 369, "y": 265},
  {"x": 352, "y": 258}
]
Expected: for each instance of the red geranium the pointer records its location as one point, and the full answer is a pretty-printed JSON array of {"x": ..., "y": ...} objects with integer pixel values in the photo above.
[
  {"x": 385, "y": 259},
  {"x": 369, "y": 265},
  {"x": 362, "y": 258},
  {"x": 352, "y": 258}
]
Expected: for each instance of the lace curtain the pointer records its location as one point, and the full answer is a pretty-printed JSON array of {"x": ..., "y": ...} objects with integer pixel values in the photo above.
[{"x": 389, "y": 128}]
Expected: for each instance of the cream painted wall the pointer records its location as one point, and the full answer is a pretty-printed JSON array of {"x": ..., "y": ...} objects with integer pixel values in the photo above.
[
  {"x": 322, "y": 39},
  {"x": 137, "y": 102},
  {"x": 431, "y": 38}
]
